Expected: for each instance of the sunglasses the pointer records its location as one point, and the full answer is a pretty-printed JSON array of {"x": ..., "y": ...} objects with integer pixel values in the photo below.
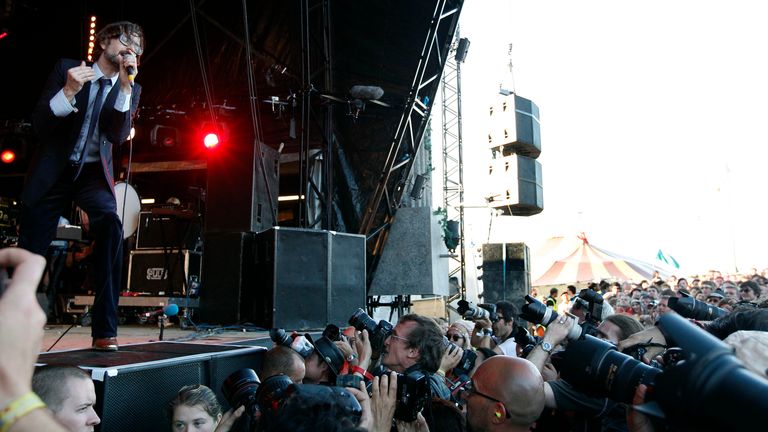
[
  {"x": 469, "y": 389},
  {"x": 745, "y": 290},
  {"x": 455, "y": 337}
]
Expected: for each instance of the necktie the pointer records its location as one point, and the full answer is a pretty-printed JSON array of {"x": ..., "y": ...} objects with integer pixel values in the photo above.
[{"x": 102, "y": 83}]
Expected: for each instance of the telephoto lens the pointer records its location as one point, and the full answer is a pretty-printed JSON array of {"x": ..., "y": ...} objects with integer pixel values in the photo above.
[
  {"x": 377, "y": 333},
  {"x": 240, "y": 388},
  {"x": 537, "y": 312},
  {"x": 689, "y": 307},
  {"x": 280, "y": 337},
  {"x": 594, "y": 367}
]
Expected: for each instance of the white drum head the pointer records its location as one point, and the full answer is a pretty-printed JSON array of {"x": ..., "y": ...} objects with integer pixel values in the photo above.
[{"x": 128, "y": 208}]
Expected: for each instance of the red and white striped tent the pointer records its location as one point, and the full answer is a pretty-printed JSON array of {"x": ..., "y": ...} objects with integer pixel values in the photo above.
[{"x": 590, "y": 263}]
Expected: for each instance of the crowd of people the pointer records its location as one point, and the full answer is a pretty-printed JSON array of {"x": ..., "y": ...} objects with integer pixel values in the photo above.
[{"x": 486, "y": 372}]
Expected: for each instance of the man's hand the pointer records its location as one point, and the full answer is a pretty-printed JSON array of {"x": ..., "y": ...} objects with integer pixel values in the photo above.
[
  {"x": 649, "y": 335},
  {"x": 637, "y": 421},
  {"x": 76, "y": 79},
  {"x": 129, "y": 60},
  {"x": 21, "y": 323},
  {"x": 362, "y": 345},
  {"x": 383, "y": 401},
  {"x": 451, "y": 358},
  {"x": 418, "y": 425},
  {"x": 361, "y": 394},
  {"x": 229, "y": 419},
  {"x": 558, "y": 330}
]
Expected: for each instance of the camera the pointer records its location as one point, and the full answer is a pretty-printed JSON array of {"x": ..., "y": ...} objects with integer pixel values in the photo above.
[
  {"x": 377, "y": 333},
  {"x": 470, "y": 311},
  {"x": 468, "y": 358},
  {"x": 298, "y": 343},
  {"x": 412, "y": 394},
  {"x": 689, "y": 307},
  {"x": 524, "y": 339},
  {"x": 243, "y": 387},
  {"x": 702, "y": 386},
  {"x": 536, "y": 312}
]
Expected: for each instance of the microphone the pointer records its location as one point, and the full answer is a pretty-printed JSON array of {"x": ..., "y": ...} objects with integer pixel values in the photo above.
[
  {"x": 131, "y": 70},
  {"x": 366, "y": 92},
  {"x": 170, "y": 310}
]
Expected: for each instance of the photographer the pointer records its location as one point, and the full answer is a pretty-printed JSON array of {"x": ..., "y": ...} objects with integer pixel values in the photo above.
[
  {"x": 324, "y": 364},
  {"x": 593, "y": 413},
  {"x": 740, "y": 319},
  {"x": 497, "y": 334},
  {"x": 416, "y": 343}
]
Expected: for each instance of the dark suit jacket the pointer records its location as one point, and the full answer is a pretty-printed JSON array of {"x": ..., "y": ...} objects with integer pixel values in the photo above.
[{"x": 57, "y": 136}]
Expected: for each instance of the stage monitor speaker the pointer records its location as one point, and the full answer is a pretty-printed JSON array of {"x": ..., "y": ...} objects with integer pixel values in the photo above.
[
  {"x": 516, "y": 186},
  {"x": 241, "y": 197},
  {"x": 514, "y": 126},
  {"x": 135, "y": 384},
  {"x": 506, "y": 272},
  {"x": 307, "y": 278},
  {"x": 228, "y": 276}
]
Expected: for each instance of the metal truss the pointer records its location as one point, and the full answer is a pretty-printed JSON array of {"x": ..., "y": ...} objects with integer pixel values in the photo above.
[
  {"x": 386, "y": 198},
  {"x": 453, "y": 171},
  {"x": 315, "y": 172}
]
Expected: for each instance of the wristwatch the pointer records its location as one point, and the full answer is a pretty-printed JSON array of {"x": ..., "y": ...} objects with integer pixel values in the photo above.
[{"x": 547, "y": 347}]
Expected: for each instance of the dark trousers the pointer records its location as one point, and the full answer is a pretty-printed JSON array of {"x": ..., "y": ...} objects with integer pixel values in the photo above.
[{"x": 91, "y": 193}]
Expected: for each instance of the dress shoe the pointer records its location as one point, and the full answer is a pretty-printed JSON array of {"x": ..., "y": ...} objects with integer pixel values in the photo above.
[{"x": 104, "y": 344}]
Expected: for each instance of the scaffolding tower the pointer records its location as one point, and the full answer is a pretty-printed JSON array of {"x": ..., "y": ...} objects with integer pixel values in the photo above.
[{"x": 453, "y": 171}]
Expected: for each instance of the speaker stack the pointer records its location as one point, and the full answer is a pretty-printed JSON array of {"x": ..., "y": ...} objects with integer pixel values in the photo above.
[{"x": 515, "y": 142}]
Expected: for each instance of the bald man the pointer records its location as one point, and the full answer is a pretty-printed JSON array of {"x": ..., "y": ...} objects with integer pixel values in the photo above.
[
  {"x": 282, "y": 360},
  {"x": 505, "y": 394}
]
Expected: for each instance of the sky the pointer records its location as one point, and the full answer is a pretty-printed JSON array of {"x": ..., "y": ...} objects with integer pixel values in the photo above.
[{"x": 653, "y": 124}]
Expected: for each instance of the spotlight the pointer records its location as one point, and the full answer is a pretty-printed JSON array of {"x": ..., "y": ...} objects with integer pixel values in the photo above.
[
  {"x": 8, "y": 156},
  {"x": 211, "y": 140}
]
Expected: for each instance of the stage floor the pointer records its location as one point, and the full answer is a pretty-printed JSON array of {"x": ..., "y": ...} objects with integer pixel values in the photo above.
[{"x": 79, "y": 337}]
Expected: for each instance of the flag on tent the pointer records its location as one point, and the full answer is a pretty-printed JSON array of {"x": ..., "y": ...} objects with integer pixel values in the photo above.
[{"x": 667, "y": 259}]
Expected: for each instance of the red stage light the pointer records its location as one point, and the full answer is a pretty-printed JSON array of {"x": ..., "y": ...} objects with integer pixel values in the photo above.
[
  {"x": 8, "y": 156},
  {"x": 211, "y": 140},
  {"x": 3, "y": 35}
]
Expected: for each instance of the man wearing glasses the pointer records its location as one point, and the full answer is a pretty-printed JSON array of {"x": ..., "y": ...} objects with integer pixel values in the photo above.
[
  {"x": 416, "y": 343},
  {"x": 505, "y": 394},
  {"x": 83, "y": 111}
]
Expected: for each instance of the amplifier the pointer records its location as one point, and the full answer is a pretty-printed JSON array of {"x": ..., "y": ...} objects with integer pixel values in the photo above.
[
  {"x": 156, "y": 272},
  {"x": 158, "y": 230}
]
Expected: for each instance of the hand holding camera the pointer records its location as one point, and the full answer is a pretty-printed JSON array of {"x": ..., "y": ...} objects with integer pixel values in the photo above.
[
  {"x": 451, "y": 358},
  {"x": 383, "y": 401}
]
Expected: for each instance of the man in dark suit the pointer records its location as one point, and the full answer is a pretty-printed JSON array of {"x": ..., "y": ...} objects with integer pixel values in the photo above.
[{"x": 83, "y": 111}]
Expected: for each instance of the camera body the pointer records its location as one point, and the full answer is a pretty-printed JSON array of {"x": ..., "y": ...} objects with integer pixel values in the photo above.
[
  {"x": 526, "y": 340},
  {"x": 377, "y": 333},
  {"x": 412, "y": 395},
  {"x": 298, "y": 343},
  {"x": 473, "y": 312},
  {"x": 468, "y": 358}
]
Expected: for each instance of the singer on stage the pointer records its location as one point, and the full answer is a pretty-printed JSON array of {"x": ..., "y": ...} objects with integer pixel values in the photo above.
[{"x": 83, "y": 111}]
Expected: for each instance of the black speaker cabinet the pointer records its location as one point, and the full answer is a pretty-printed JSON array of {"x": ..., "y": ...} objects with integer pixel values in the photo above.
[
  {"x": 506, "y": 272},
  {"x": 157, "y": 231},
  {"x": 242, "y": 194},
  {"x": 229, "y": 275},
  {"x": 515, "y": 127},
  {"x": 516, "y": 186},
  {"x": 135, "y": 384},
  {"x": 163, "y": 272},
  {"x": 307, "y": 278}
]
